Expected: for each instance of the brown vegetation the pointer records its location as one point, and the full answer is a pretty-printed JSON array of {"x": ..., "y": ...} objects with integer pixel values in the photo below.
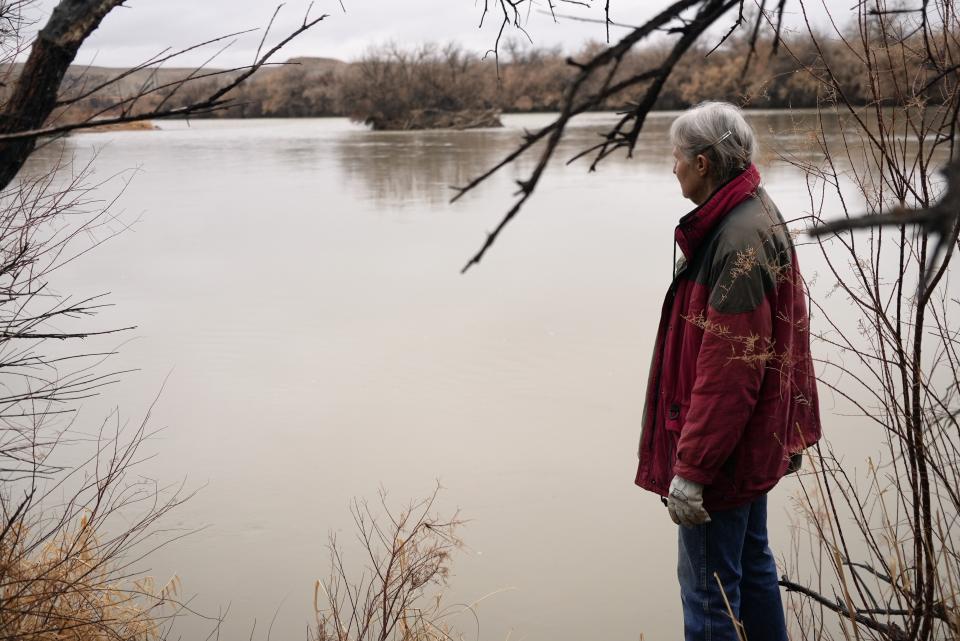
[
  {"x": 394, "y": 87},
  {"x": 136, "y": 125},
  {"x": 390, "y": 85},
  {"x": 65, "y": 554}
]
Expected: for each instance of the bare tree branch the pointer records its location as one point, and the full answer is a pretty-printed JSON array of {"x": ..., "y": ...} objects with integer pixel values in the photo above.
[{"x": 708, "y": 12}]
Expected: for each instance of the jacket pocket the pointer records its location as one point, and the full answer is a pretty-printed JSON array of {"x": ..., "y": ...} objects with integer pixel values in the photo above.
[{"x": 675, "y": 414}]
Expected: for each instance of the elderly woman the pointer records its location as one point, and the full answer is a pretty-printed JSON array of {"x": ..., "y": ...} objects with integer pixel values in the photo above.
[{"x": 731, "y": 398}]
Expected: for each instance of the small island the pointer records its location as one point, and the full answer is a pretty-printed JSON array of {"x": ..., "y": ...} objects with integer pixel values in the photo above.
[
  {"x": 134, "y": 125},
  {"x": 436, "y": 119}
]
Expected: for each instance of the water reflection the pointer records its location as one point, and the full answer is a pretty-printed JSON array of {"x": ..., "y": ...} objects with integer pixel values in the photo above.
[
  {"x": 402, "y": 168},
  {"x": 398, "y": 168}
]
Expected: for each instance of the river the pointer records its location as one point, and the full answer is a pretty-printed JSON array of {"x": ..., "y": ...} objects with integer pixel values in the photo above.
[{"x": 296, "y": 284}]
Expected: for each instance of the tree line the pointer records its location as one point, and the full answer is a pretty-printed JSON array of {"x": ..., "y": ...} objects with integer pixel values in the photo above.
[{"x": 391, "y": 80}]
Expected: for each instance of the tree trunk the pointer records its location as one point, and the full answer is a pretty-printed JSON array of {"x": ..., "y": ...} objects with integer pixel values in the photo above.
[{"x": 34, "y": 96}]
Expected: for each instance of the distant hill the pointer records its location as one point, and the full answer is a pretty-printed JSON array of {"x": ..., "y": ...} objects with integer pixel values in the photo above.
[{"x": 292, "y": 88}]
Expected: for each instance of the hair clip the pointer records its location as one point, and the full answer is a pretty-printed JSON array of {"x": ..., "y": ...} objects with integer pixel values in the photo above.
[
  {"x": 717, "y": 141},
  {"x": 722, "y": 138}
]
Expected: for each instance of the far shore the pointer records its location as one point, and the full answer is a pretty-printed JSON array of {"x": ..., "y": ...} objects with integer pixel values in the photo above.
[
  {"x": 135, "y": 125},
  {"x": 149, "y": 125}
]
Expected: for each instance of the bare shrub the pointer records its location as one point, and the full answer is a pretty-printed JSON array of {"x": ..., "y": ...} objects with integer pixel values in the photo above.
[
  {"x": 77, "y": 518},
  {"x": 877, "y": 555},
  {"x": 398, "y": 596}
]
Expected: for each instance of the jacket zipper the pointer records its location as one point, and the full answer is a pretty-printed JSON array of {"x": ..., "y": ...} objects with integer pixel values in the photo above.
[{"x": 667, "y": 307}]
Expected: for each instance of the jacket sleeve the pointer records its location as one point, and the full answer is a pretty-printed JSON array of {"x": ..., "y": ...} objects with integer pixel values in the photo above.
[{"x": 737, "y": 343}]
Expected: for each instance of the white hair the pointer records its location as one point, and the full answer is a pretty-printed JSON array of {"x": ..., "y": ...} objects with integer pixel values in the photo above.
[{"x": 719, "y": 131}]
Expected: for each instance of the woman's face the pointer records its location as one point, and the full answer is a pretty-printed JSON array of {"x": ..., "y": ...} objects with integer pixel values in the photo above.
[{"x": 693, "y": 176}]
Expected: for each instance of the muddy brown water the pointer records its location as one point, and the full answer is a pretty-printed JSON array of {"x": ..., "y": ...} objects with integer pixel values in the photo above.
[{"x": 297, "y": 285}]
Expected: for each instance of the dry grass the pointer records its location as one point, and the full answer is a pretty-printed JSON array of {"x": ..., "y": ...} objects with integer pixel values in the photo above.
[{"x": 63, "y": 589}]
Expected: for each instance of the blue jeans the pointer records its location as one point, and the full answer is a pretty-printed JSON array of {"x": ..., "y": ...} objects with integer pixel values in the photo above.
[{"x": 733, "y": 545}]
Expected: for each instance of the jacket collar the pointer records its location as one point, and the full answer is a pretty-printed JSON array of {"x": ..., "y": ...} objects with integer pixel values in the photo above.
[{"x": 695, "y": 226}]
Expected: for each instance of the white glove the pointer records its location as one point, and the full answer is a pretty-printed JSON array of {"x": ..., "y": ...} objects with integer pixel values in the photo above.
[{"x": 685, "y": 503}]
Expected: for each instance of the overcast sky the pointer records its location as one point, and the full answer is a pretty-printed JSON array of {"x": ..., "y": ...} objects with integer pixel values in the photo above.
[{"x": 133, "y": 33}]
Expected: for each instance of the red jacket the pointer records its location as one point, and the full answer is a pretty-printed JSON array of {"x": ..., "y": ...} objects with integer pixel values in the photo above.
[{"x": 731, "y": 392}]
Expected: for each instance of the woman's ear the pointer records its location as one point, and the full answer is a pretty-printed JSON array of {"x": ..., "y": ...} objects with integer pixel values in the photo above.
[{"x": 702, "y": 165}]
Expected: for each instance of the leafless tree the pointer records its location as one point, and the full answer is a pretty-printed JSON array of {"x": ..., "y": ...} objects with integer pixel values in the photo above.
[
  {"x": 392, "y": 87},
  {"x": 72, "y": 531},
  {"x": 601, "y": 77},
  {"x": 885, "y": 549},
  {"x": 36, "y": 93}
]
